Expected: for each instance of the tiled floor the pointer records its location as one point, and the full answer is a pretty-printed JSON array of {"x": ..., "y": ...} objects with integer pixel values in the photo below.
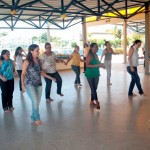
[{"x": 69, "y": 123}]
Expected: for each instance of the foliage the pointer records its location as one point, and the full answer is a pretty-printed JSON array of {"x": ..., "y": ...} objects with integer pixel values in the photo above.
[
  {"x": 137, "y": 36},
  {"x": 118, "y": 50},
  {"x": 3, "y": 34},
  {"x": 101, "y": 42},
  {"x": 73, "y": 44},
  {"x": 43, "y": 38}
]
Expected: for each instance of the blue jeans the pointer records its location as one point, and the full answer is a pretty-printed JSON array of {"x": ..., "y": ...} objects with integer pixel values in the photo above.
[
  {"x": 135, "y": 79},
  {"x": 93, "y": 83},
  {"x": 34, "y": 94},
  {"x": 76, "y": 69}
]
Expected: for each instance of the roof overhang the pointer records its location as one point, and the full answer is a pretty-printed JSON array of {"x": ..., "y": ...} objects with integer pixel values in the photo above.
[{"x": 63, "y": 14}]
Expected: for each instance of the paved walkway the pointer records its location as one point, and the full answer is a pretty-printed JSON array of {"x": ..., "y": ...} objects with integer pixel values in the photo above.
[{"x": 69, "y": 123}]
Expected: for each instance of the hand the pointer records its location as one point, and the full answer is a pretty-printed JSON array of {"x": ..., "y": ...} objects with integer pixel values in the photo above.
[
  {"x": 66, "y": 63},
  {"x": 53, "y": 79},
  {"x": 3, "y": 79},
  {"x": 23, "y": 88},
  {"x": 132, "y": 69},
  {"x": 102, "y": 65},
  {"x": 15, "y": 74}
]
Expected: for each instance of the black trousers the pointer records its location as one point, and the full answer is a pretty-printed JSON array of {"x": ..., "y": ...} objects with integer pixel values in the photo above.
[
  {"x": 93, "y": 83},
  {"x": 7, "y": 89},
  {"x": 49, "y": 84},
  {"x": 135, "y": 79},
  {"x": 19, "y": 74},
  {"x": 84, "y": 64}
]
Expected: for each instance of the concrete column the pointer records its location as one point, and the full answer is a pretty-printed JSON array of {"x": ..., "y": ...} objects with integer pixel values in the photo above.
[
  {"x": 48, "y": 32},
  {"x": 84, "y": 31},
  {"x": 125, "y": 40},
  {"x": 147, "y": 38}
]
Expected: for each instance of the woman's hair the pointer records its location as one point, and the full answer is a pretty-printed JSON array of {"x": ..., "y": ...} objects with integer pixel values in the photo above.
[
  {"x": 17, "y": 51},
  {"x": 91, "y": 46},
  {"x": 29, "y": 55},
  {"x": 46, "y": 44},
  {"x": 3, "y": 53},
  {"x": 85, "y": 44},
  {"x": 107, "y": 42},
  {"x": 136, "y": 42}
]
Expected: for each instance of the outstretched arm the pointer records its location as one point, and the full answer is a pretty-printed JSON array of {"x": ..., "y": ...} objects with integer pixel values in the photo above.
[
  {"x": 69, "y": 59},
  {"x": 103, "y": 54}
]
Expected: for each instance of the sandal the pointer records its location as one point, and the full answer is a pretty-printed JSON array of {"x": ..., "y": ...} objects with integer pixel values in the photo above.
[{"x": 49, "y": 100}]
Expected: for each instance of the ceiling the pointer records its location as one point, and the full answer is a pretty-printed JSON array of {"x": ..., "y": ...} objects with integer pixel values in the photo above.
[{"x": 35, "y": 14}]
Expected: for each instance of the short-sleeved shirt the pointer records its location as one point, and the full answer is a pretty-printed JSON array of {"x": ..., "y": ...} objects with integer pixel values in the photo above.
[
  {"x": 49, "y": 62},
  {"x": 6, "y": 69},
  {"x": 33, "y": 74},
  {"x": 76, "y": 59},
  {"x": 19, "y": 62}
]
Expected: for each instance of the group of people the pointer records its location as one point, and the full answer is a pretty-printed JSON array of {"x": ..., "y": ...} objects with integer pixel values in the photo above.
[{"x": 30, "y": 67}]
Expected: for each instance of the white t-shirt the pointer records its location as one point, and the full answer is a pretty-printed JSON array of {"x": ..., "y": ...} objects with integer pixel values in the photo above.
[
  {"x": 19, "y": 62},
  {"x": 49, "y": 62}
]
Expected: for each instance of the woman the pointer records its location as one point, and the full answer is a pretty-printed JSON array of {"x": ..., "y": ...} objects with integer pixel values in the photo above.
[
  {"x": 85, "y": 53},
  {"x": 132, "y": 68},
  {"x": 49, "y": 60},
  {"x": 75, "y": 56},
  {"x": 92, "y": 73},
  {"x": 18, "y": 58},
  {"x": 7, "y": 69},
  {"x": 108, "y": 52},
  {"x": 31, "y": 80}
]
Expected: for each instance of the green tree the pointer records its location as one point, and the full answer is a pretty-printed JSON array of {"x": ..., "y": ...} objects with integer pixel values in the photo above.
[
  {"x": 3, "y": 34},
  {"x": 73, "y": 44},
  {"x": 35, "y": 39},
  {"x": 64, "y": 43},
  {"x": 101, "y": 42},
  {"x": 137, "y": 36},
  {"x": 43, "y": 38}
]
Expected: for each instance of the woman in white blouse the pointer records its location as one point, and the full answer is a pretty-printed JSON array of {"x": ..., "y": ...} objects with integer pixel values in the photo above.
[{"x": 18, "y": 58}]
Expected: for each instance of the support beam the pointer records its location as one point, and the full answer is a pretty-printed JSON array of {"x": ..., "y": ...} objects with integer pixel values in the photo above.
[
  {"x": 147, "y": 38},
  {"x": 125, "y": 40},
  {"x": 84, "y": 31},
  {"x": 48, "y": 32}
]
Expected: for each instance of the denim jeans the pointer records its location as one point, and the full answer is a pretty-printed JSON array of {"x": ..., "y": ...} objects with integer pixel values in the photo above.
[
  {"x": 135, "y": 79},
  {"x": 49, "y": 84},
  {"x": 93, "y": 83},
  {"x": 76, "y": 69},
  {"x": 34, "y": 94}
]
